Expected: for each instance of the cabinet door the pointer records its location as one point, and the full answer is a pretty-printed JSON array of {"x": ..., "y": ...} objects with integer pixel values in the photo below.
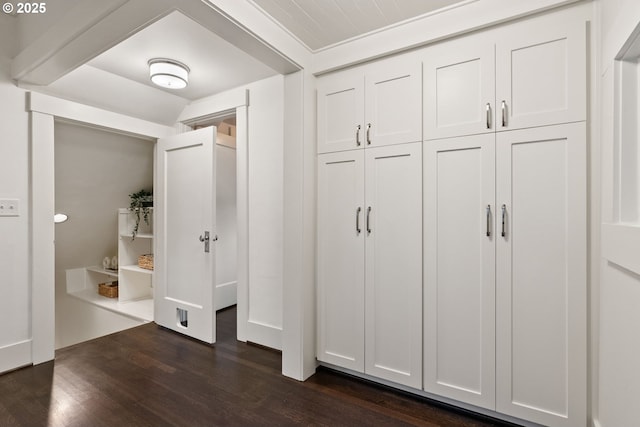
[
  {"x": 393, "y": 294},
  {"x": 341, "y": 111},
  {"x": 341, "y": 259},
  {"x": 459, "y": 269},
  {"x": 541, "y": 286},
  {"x": 459, "y": 88},
  {"x": 393, "y": 102},
  {"x": 541, "y": 72}
]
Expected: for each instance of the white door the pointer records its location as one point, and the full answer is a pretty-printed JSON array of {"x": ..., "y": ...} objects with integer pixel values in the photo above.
[
  {"x": 541, "y": 72},
  {"x": 340, "y": 106},
  {"x": 541, "y": 275},
  {"x": 393, "y": 102},
  {"x": 341, "y": 259},
  {"x": 459, "y": 88},
  {"x": 459, "y": 269},
  {"x": 185, "y": 207},
  {"x": 393, "y": 278}
]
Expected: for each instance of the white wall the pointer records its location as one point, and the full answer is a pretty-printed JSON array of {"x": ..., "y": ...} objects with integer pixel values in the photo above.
[
  {"x": 226, "y": 223},
  {"x": 266, "y": 127},
  {"x": 619, "y": 304},
  {"x": 14, "y": 237},
  {"x": 95, "y": 171}
]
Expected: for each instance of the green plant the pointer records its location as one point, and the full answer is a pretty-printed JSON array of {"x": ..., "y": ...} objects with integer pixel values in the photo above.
[{"x": 140, "y": 203}]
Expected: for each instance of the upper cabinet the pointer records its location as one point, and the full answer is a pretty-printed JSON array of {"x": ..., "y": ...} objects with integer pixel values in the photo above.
[
  {"x": 527, "y": 74},
  {"x": 374, "y": 105}
]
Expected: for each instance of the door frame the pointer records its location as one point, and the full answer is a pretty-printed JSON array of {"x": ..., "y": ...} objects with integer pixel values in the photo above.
[{"x": 43, "y": 111}]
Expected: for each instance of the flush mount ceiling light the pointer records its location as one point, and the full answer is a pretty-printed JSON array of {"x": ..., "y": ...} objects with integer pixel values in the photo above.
[{"x": 168, "y": 73}]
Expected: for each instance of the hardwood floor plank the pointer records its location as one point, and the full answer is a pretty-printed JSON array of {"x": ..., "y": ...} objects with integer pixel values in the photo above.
[{"x": 149, "y": 376}]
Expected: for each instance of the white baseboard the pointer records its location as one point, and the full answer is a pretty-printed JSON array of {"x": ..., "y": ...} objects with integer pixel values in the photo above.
[
  {"x": 15, "y": 356},
  {"x": 226, "y": 295},
  {"x": 266, "y": 335}
]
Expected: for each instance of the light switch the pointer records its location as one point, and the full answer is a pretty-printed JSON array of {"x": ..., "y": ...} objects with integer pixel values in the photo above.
[{"x": 9, "y": 207}]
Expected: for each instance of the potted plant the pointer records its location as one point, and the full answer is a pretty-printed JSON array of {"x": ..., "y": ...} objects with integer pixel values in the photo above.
[{"x": 141, "y": 201}]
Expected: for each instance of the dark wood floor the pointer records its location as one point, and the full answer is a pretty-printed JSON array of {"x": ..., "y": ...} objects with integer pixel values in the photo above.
[{"x": 148, "y": 376}]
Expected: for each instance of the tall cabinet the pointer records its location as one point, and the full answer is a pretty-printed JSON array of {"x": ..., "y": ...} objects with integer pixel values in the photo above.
[
  {"x": 505, "y": 220},
  {"x": 369, "y": 224}
]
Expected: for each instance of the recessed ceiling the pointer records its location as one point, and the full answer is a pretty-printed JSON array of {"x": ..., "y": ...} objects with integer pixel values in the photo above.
[
  {"x": 216, "y": 65},
  {"x": 322, "y": 23}
]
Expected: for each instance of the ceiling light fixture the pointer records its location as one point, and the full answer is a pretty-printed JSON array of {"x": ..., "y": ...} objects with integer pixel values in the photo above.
[{"x": 168, "y": 73}]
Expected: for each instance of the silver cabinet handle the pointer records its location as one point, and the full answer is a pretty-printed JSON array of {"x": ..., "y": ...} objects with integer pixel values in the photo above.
[
  {"x": 504, "y": 113},
  {"x": 368, "y": 217},
  {"x": 206, "y": 240},
  {"x": 358, "y": 135},
  {"x": 358, "y": 220},
  {"x": 368, "y": 133},
  {"x": 488, "y": 220},
  {"x": 488, "y": 115},
  {"x": 504, "y": 215}
]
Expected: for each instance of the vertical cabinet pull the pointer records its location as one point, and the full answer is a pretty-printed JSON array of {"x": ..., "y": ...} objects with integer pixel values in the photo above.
[
  {"x": 488, "y": 220},
  {"x": 504, "y": 113},
  {"x": 358, "y": 220},
  {"x": 488, "y": 115},
  {"x": 358, "y": 135},
  {"x": 368, "y": 217},
  {"x": 368, "y": 133},
  {"x": 504, "y": 215}
]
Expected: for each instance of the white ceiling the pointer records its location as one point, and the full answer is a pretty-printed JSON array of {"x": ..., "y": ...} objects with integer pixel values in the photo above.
[
  {"x": 216, "y": 65},
  {"x": 322, "y": 23}
]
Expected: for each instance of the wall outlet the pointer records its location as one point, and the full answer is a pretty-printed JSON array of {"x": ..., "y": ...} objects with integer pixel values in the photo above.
[{"x": 9, "y": 207}]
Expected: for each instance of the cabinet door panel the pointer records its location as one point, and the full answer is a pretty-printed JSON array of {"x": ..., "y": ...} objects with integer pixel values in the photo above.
[
  {"x": 393, "y": 291},
  {"x": 393, "y": 102},
  {"x": 341, "y": 259},
  {"x": 541, "y": 275},
  {"x": 459, "y": 88},
  {"x": 340, "y": 106},
  {"x": 541, "y": 72},
  {"x": 459, "y": 269}
]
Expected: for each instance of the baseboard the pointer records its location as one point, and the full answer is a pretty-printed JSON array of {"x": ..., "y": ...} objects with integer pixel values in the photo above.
[
  {"x": 226, "y": 295},
  {"x": 15, "y": 356},
  {"x": 266, "y": 335},
  {"x": 595, "y": 423}
]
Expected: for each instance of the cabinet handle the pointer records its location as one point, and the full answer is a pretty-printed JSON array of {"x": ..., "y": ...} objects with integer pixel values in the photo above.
[
  {"x": 206, "y": 240},
  {"x": 358, "y": 136},
  {"x": 368, "y": 217},
  {"x": 358, "y": 220},
  {"x": 368, "y": 133},
  {"x": 488, "y": 115},
  {"x": 504, "y": 215},
  {"x": 504, "y": 113},
  {"x": 488, "y": 220}
]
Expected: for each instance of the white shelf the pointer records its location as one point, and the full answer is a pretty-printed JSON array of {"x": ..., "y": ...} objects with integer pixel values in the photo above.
[
  {"x": 136, "y": 269},
  {"x": 138, "y": 236},
  {"x": 97, "y": 269},
  {"x": 140, "y": 309}
]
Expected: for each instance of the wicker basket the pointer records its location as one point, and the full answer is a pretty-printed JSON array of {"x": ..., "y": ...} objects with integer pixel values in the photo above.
[
  {"x": 146, "y": 261},
  {"x": 109, "y": 290}
]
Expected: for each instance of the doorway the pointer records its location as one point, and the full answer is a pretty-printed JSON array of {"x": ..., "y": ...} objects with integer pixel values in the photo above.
[{"x": 44, "y": 111}]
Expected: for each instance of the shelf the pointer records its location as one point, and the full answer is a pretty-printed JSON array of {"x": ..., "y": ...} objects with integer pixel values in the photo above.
[
  {"x": 140, "y": 309},
  {"x": 97, "y": 269},
  {"x": 138, "y": 236},
  {"x": 135, "y": 269}
]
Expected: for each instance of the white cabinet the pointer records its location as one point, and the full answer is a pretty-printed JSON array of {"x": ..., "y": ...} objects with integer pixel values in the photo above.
[
  {"x": 459, "y": 88},
  {"x": 459, "y": 269},
  {"x": 520, "y": 254},
  {"x": 341, "y": 259},
  {"x": 134, "y": 283},
  {"x": 393, "y": 263},
  {"x": 532, "y": 73},
  {"x": 541, "y": 275},
  {"x": 374, "y": 105},
  {"x": 370, "y": 262}
]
